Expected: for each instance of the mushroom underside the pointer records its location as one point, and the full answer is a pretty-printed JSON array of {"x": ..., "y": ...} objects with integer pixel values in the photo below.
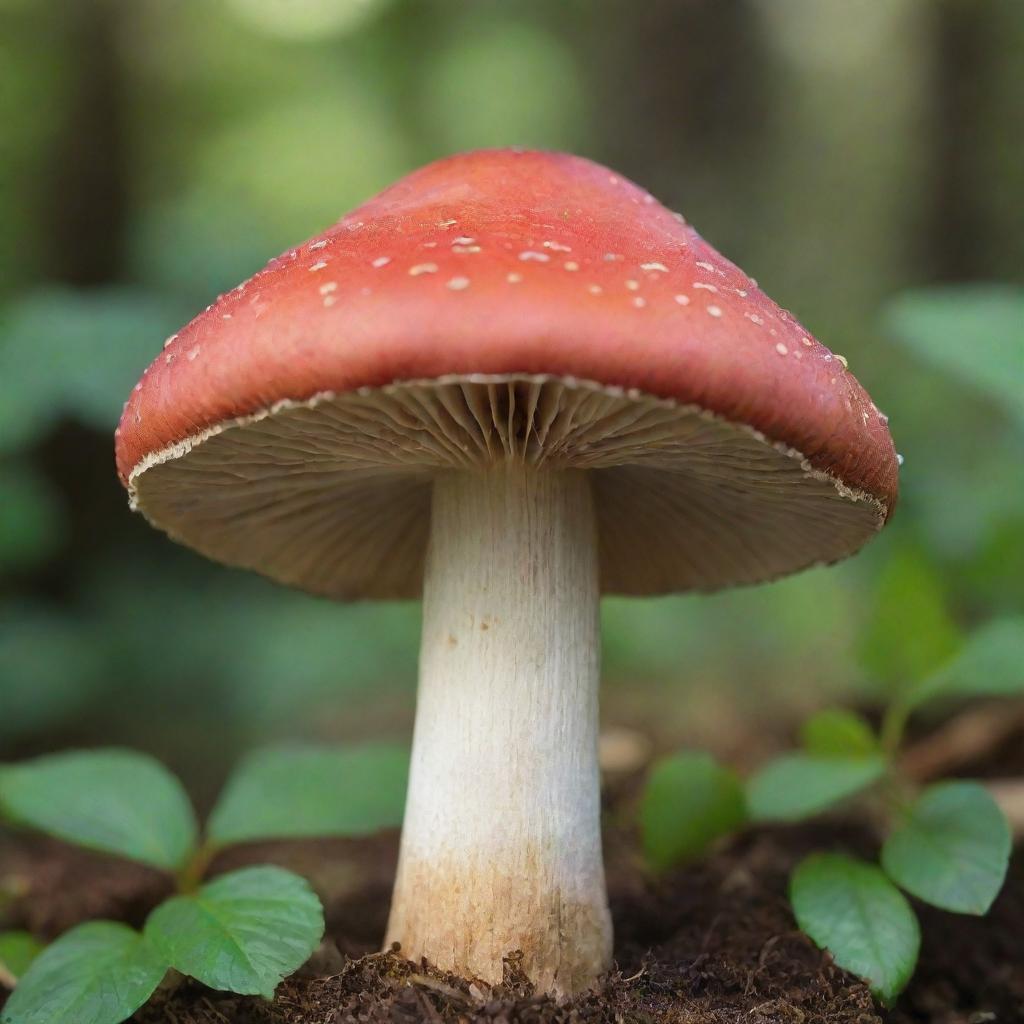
[{"x": 333, "y": 494}]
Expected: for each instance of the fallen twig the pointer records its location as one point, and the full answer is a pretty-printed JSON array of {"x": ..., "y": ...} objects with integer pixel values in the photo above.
[
  {"x": 1009, "y": 794},
  {"x": 961, "y": 740}
]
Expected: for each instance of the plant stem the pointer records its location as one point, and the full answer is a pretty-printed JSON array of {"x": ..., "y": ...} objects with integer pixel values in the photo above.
[
  {"x": 894, "y": 723},
  {"x": 191, "y": 875}
]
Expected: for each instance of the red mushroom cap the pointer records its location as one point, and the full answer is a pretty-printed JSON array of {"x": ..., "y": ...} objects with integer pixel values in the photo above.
[{"x": 515, "y": 266}]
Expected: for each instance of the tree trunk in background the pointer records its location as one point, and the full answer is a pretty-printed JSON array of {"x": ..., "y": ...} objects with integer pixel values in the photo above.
[
  {"x": 956, "y": 234},
  {"x": 87, "y": 180},
  {"x": 678, "y": 87},
  {"x": 977, "y": 219}
]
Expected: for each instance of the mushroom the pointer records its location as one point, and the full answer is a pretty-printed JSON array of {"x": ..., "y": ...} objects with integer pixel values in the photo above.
[{"x": 509, "y": 383}]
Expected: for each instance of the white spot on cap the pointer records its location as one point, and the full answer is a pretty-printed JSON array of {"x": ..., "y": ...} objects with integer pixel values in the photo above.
[
  {"x": 538, "y": 257},
  {"x": 447, "y": 223},
  {"x": 318, "y": 265},
  {"x": 594, "y": 289},
  {"x": 330, "y": 300},
  {"x": 225, "y": 316},
  {"x": 633, "y": 285},
  {"x": 513, "y": 278},
  {"x": 683, "y": 300},
  {"x": 193, "y": 353},
  {"x": 741, "y": 292},
  {"x": 613, "y": 180},
  {"x": 170, "y": 340},
  {"x": 457, "y": 284},
  {"x": 330, "y": 286},
  {"x": 843, "y": 360},
  {"x": 899, "y": 459},
  {"x": 169, "y": 358},
  {"x": 649, "y": 199},
  {"x": 381, "y": 261},
  {"x": 705, "y": 286},
  {"x": 807, "y": 341},
  {"x": 466, "y": 248},
  {"x": 755, "y": 319},
  {"x": 654, "y": 267},
  {"x": 571, "y": 265},
  {"x": 611, "y": 257},
  {"x": 714, "y": 310},
  {"x": 781, "y": 349},
  {"x": 423, "y": 268},
  {"x": 557, "y": 246},
  {"x": 463, "y": 240},
  {"x": 429, "y": 245},
  {"x": 639, "y": 301},
  {"x": 322, "y": 244},
  {"x": 706, "y": 266}
]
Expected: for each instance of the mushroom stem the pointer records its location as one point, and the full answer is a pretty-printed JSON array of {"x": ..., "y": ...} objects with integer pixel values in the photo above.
[{"x": 501, "y": 847}]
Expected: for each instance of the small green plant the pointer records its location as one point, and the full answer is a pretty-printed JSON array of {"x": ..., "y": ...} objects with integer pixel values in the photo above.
[
  {"x": 948, "y": 844},
  {"x": 243, "y": 931}
]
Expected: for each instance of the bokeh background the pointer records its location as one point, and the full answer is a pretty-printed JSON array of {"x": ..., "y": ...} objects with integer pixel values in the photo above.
[{"x": 863, "y": 159}]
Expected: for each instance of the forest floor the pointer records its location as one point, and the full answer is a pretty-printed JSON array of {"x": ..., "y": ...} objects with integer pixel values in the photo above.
[{"x": 714, "y": 943}]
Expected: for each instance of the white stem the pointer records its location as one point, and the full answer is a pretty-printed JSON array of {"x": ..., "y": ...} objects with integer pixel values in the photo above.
[{"x": 501, "y": 847}]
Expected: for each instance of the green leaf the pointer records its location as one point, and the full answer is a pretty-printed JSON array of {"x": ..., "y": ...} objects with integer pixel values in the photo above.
[
  {"x": 798, "y": 786},
  {"x": 836, "y": 732},
  {"x": 116, "y": 801},
  {"x": 97, "y": 973},
  {"x": 991, "y": 664},
  {"x": 851, "y": 909},
  {"x": 910, "y": 632},
  {"x": 243, "y": 932},
  {"x": 689, "y": 801},
  {"x": 17, "y": 951},
  {"x": 952, "y": 849},
  {"x": 308, "y": 791},
  {"x": 973, "y": 332}
]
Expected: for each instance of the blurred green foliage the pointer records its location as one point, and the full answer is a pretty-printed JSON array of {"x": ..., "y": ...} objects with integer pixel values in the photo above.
[
  {"x": 968, "y": 331},
  {"x": 33, "y": 519},
  {"x": 74, "y": 353},
  {"x": 155, "y": 154},
  {"x": 909, "y": 629}
]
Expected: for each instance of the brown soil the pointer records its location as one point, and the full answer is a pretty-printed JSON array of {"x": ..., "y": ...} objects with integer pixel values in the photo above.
[{"x": 708, "y": 945}]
